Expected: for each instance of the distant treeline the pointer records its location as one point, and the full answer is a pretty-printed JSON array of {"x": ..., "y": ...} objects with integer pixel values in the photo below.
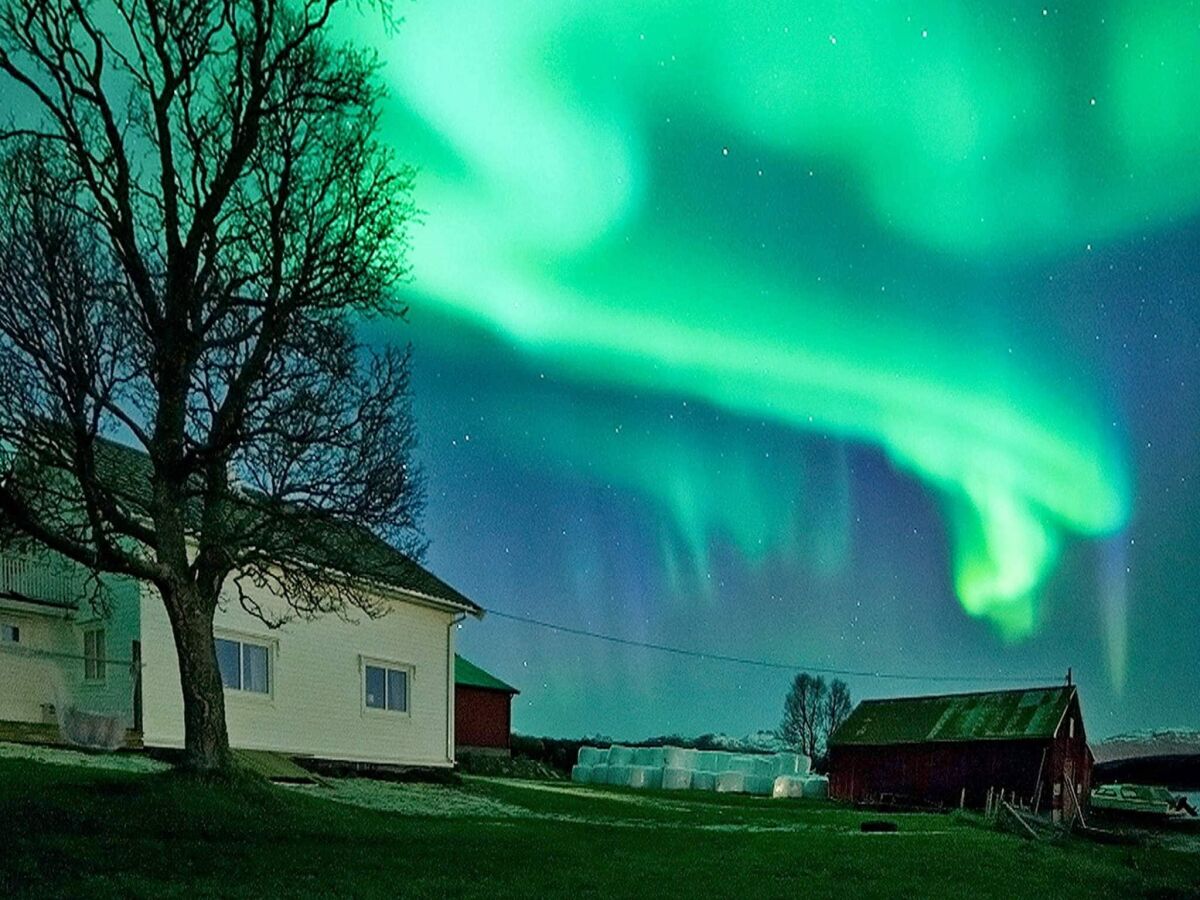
[{"x": 1177, "y": 772}]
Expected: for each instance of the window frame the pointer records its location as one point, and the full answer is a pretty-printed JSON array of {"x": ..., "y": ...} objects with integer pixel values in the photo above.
[
  {"x": 95, "y": 663},
  {"x": 242, "y": 640},
  {"x": 15, "y": 627},
  {"x": 386, "y": 665}
]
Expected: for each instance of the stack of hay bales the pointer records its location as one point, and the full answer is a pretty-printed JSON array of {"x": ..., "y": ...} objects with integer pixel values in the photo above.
[{"x": 678, "y": 768}]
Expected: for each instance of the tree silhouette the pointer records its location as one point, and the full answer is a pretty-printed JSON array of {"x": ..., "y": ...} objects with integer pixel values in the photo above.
[
  {"x": 837, "y": 708},
  {"x": 193, "y": 218},
  {"x": 803, "y": 713}
]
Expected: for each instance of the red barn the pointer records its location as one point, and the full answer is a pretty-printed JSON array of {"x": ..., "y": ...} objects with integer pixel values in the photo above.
[
  {"x": 482, "y": 710},
  {"x": 940, "y": 751}
]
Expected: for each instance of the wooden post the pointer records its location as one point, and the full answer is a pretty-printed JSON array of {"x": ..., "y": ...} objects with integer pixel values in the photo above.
[
  {"x": 1033, "y": 834},
  {"x": 1037, "y": 788},
  {"x": 962, "y": 799}
]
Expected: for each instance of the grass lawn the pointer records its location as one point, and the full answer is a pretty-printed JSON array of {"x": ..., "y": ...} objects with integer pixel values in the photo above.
[{"x": 67, "y": 831}]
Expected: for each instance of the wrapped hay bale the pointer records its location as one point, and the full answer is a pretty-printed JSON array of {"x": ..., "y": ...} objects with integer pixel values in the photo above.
[
  {"x": 680, "y": 758},
  {"x": 592, "y": 756},
  {"x": 760, "y": 785},
  {"x": 731, "y": 783},
  {"x": 581, "y": 774},
  {"x": 703, "y": 781},
  {"x": 816, "y": 787},
  {"x": 712, "y": 761},
  {"x": 649, "y": 756},
  {"x": 787, "y": 763},
  {"x": 645, "y": 776},
  {"x": 788, "y": 786},
  {"x": 676, "y": 779},
  {"x": 764, "y": 767},
  {"x": 620, "y": 756},
  {"x": 598, "y": 775},
  {"x": 740, "y": 762},
  {"x": 619, "y": 775}
]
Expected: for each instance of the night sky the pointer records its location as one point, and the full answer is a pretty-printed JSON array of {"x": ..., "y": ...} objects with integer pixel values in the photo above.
[{"x": 862, "y": 336}]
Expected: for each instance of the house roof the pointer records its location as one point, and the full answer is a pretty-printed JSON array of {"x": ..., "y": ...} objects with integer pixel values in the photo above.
[
  {"x": 468, "y": 674},
  {"x": 319, "y": 540},
  {"x": 991, "y": 715}
]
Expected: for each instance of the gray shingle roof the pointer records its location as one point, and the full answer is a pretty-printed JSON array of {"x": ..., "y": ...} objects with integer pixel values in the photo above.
[{"x": 322, "y": 541}]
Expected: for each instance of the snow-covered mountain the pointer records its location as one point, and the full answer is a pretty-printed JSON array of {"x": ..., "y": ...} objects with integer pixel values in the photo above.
[{"x": 1138, "y": 744}]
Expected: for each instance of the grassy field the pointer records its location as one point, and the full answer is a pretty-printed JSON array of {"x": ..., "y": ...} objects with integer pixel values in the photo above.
[{"x": 68, "y": 831}]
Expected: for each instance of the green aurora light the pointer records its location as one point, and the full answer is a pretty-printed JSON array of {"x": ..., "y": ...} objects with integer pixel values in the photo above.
[{"x": 564, "y": 218}]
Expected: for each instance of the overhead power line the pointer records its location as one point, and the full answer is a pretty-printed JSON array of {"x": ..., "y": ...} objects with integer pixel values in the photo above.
[{"x": 764, "y": 663}]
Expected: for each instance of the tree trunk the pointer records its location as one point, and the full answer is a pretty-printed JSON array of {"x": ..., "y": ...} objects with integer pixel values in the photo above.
[{"x": 205, "y": 739}]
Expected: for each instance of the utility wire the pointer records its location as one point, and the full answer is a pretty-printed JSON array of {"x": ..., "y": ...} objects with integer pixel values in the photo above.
[{"x": 762, "y": 663}]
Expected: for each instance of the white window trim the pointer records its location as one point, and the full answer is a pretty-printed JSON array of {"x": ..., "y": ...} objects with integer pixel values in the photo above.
[
  {"x": 272, "y": 648},
  {"x": 95, "y": 625},
  {"x": 410, "y": 672}
]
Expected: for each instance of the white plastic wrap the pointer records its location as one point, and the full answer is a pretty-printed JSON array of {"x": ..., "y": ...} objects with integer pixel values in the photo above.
[
  {"x": 788, "y": 786},
  {"x": 620, "y": 756},
  {"x": 816, "y": 787},
  {"x": 645, "y": 776},
  {"x": 679, "y": 758},
  {"x": 759, "y": 785},
  {"x": 731, "y": 783},
  {"x": 649, "y": 756},
  {"x": 676, "y": 779},
  {"x": 740, "y": 762},
  {"x": 619, "y": 775},
  {"x": 713, "y": 761},
  {"x": 592, "y": 756},
  {"x": 764, "y": 766},
  {"x": 581, "y": 774},
  {"x": 704, "y": 781}
]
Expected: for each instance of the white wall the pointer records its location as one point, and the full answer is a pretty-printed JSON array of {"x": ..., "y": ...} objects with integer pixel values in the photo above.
[
  {"x": 46, "y": 667},
  {"x": 28, "y": 680},
  {"x": 315, "y": 706}
]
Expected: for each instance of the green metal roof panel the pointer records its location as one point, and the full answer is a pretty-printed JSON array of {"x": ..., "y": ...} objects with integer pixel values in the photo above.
[
  {"x": 995, "y": 715},
  {"x": 468, "y": 674}
]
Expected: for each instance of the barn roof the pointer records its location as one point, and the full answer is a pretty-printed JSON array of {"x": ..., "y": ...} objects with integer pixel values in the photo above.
[
  {"x": 468, "y": 674},
  {"x": 993, "y": 715}
]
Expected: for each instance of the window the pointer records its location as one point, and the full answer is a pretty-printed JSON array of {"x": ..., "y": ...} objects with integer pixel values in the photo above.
[
  {"x": 244, "y": 666},
  {"x": 1071, "y": 726},
  {"x": 385, "y": 688},
  {"x": 93, "y": 654},
  {"x": 10, "y": 634}
]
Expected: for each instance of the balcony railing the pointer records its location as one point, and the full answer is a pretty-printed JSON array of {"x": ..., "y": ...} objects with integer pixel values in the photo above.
[{"x": 48, "y": 580}]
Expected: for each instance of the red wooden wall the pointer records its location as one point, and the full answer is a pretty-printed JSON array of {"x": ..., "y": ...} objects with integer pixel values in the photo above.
[{"x": 482, "y": 718}]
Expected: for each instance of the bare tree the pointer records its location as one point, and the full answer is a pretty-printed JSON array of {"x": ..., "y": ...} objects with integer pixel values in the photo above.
[
  {"x": 837, "y": 708},
  {"x": 195, "y": 214},
  {"x": 803, "y": 713}
]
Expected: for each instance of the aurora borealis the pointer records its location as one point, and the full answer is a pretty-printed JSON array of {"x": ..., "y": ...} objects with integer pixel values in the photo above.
[{"x": 714, "y": 303}]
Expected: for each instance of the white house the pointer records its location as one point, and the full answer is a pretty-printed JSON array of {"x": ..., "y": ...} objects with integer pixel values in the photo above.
[{"x": 372, "y": 690}]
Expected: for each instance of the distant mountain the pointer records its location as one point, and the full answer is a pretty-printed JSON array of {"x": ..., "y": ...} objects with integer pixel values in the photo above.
[
  {"x": 756, "y": 742},
  {"x": 1140, "y": 744}
]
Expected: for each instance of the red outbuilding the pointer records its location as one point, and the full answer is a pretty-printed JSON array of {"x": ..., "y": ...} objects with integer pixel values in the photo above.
[
  {"x": 482, "y": 710},
  {"x": 959, "y": 748}
]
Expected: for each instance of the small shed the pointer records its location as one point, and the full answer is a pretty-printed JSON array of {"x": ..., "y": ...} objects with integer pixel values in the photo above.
[
  {"x": 953, "y": 749},
  {"x": 482, "y": 710}
]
